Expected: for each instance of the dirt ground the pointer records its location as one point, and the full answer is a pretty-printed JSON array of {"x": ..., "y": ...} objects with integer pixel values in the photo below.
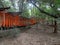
[{"x": 34, "y": 36}]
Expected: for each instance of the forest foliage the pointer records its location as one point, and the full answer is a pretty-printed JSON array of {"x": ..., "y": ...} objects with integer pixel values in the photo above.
[{"x": 29, "y": 10}]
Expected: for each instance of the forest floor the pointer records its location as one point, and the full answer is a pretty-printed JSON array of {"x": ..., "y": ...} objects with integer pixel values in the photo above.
[{"x": 37, "y": 35}]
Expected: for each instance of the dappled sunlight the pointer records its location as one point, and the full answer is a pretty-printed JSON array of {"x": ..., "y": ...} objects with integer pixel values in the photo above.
[{"x": 58, "y": 9}]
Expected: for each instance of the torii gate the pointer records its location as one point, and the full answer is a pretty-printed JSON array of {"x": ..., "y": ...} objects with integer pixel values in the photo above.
[{"x": 3, "y": 11}]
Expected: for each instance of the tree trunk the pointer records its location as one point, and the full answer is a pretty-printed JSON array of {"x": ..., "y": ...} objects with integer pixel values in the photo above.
[{"x": 55, "y": 26}]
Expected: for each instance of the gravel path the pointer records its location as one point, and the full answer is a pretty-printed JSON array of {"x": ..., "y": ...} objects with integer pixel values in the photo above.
[{"x": 33, "y": 36}]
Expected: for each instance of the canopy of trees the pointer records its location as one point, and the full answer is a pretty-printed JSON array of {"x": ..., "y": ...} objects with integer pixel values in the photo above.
[{"x": 28, "y": 7}]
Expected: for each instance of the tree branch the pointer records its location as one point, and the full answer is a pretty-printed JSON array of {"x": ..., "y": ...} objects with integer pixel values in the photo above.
[{"x": 42, "y": 11}]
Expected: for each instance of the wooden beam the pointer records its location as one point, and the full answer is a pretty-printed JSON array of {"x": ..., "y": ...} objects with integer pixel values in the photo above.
[{"x": 2, "y": 9}]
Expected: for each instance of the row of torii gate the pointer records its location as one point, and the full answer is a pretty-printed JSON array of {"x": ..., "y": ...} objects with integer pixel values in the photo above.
[{"x": 55, "y": 22}]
